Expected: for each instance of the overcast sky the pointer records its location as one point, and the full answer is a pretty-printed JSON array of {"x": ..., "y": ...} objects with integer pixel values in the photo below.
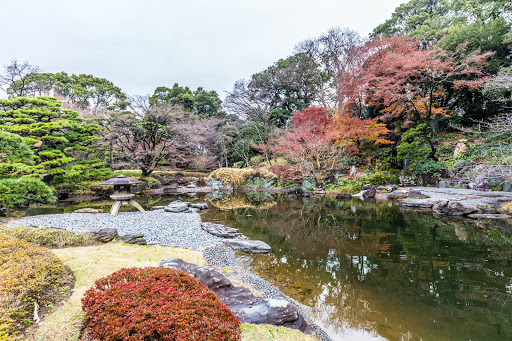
[{"x": 142, "y": 44}]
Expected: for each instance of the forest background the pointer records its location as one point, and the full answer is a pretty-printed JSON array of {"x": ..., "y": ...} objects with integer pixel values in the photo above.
[{"x": 393, "y": 104}]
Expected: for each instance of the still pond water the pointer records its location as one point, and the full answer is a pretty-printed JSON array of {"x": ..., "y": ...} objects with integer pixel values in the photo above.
[{"x": 375, "y": 271}]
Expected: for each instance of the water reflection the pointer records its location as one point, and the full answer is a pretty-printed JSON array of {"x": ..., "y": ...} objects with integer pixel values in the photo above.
[{"x": 374, "y": 271}]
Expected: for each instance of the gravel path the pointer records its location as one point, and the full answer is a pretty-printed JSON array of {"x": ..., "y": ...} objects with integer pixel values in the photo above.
[{"x": 158, "y": 227}]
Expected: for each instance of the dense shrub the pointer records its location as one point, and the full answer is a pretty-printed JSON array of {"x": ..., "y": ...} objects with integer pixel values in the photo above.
[
  {"x": 355, "y": 186},
  {"x": 24, "y": 191},
  {"x": 27, "y": 273},
  {"x": 156, "y": 304},
  {"x": 286, "y": 173},
  {"x": 238, "y": 177},
  {"x": 49, "y": 237}
]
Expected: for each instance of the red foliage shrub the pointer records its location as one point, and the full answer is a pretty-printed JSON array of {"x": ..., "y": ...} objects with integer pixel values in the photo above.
[
  {"x": 286, "y": 173},
  {"x": 156, "y": 304}
]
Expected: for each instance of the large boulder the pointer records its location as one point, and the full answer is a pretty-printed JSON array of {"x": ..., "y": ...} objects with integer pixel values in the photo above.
[
  {"x": 134, "y": 238},
  {"x": 369, "y": 193},
  {"x": 398, "y": 194},
  {"x": 247, "y": 307},
  {"x": 415, "y": 194},
  {"x": 216, "y": 185},
  {"x": 222, "y": 231},
  {"x": 105, "y": 235},
  {"x": 254, "y": 246},
  {"x": 453, "y": 208}
]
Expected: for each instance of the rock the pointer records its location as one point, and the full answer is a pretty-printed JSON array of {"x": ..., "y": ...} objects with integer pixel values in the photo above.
[
  {"x": 415, "y": 194},
  {"x": 344, "y": 196},
  {"x": 134, "y": 238},
  {"x": 202, "y": 206},
  {"x": 445, "y": 184},
  {"x": 452, "y": 208},
  {"x": 353, "y": 171},
  {"x": 460, "y": 149},
  {"x": 254, "y": 246},
  {"x": 489, "y": 216},
  {"x": 154, "y": 208},
  {"x": 105, "y": 235},
  {"x": 481, "y": 184},
  {"x": 367, "y": 186},
  {"x": 88, "y": 210},
  {"x": 308, "y": 184},
  {"x": 177, "y": 206},
  {"x": 507, "y": 186},
  {"x": 398, "y": 194},
  {"x": 416, "y": 203},
  {"x": 215, "y": 185},
  {"x": 247, "y": 307},
  {"x": 408, "y": 179},
  {"x": 222, "y": 231},
  {"x": 369, "y": 193}
]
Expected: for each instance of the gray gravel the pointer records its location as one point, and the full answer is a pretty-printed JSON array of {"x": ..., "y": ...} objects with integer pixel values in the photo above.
[{"x": 158, "y": 227}]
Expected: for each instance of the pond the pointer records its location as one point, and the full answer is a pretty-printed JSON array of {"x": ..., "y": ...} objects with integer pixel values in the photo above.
[{"x": 375, "y": 271}]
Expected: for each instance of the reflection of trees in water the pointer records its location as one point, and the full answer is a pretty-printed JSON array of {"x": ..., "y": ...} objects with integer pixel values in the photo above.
[
  {"x": 238, "y": 200},
  {"x": 395, "y": 271}
]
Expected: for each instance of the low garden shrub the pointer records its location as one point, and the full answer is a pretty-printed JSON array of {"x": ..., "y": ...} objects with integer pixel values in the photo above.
[
  {"x": 27, "y": 273},
  {"x": 49, "y": 237},
  {"x": 238, "y": 176},
  {"x": 156, "y": 304}
]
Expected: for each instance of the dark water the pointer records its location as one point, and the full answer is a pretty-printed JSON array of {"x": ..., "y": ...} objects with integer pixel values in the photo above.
[{"x": 373, "y": 271}]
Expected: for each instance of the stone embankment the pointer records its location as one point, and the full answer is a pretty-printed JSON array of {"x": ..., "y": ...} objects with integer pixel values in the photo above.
[{"x": 451, "y": 201}]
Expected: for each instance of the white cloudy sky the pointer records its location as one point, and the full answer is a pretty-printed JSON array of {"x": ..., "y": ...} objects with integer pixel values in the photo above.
[{"x": 142, "y": 44}]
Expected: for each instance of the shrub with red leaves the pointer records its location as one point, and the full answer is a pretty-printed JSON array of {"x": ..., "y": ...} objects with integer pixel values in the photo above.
[
  {"x": 156, "y": 304},
  {"x": 286, "y": 173}
]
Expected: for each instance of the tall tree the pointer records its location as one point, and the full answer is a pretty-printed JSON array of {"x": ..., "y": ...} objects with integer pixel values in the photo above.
[
  {"x": 16, "y": 77},
  {"x": 406, "y": 82},
  {"x": 335, "y": 53},
  {"x": 307, "y": 146},
  {"x": 145, "y": 143}
]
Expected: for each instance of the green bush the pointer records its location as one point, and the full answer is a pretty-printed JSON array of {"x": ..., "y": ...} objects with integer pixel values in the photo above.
[
  {"x": 239, "y": 164},
  {"x": 256, "y": 160},
  {"x": 429, "y": 167},
  {"x": 24, "y": 191},
  {"x": 355, "y": 186},
  {"x": 156, "y": 304},
  {"x": 27, "y": 273}
]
